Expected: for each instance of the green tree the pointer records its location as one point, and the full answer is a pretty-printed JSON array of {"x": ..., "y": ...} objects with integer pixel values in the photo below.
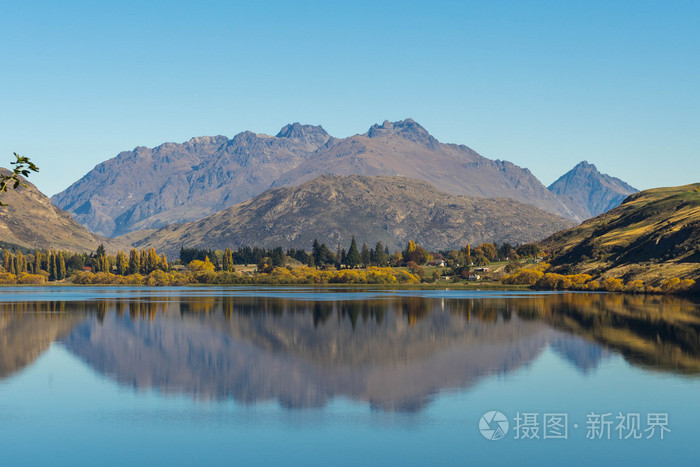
[
  {"x": 354, "y": 258},
  {"x": 365, "y": 255},
  {"x": 143, "y": 261},
  {"x": 52, "y": 266},
  {"x": 23, "y": 166},
  {"x": 380, "y": 256},
  {"x": 6, "y": 259}
]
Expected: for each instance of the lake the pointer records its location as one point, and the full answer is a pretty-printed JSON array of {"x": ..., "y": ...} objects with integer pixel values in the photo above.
[{"x": 294, "y": 376}]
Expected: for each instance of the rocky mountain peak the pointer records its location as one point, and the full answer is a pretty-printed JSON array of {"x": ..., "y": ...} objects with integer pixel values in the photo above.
[
  {"x": 589, "y": 192},
  {"x": 310, "y": 133},
  {"x": 408, "y": 129}
]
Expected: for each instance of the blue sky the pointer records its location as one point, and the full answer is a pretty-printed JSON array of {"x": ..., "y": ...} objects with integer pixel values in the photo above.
[{"x": 542, "y": 84}]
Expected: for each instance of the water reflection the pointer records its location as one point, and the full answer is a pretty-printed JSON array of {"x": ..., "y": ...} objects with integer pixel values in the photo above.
[{"x": 394, "y": 353}]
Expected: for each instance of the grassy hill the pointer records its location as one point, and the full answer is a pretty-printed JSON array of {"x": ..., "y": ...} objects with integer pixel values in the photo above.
[{"x": 653, "y": 235}]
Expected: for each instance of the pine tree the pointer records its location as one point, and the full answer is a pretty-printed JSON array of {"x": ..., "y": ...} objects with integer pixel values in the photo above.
[
  {"x": 380, "y": 256},
  {"x": 61, "y": 273},
  {"x": 316, "y": 252},
  {"x": 354, "y": 258},
  {"x": 366, "y": 256}
]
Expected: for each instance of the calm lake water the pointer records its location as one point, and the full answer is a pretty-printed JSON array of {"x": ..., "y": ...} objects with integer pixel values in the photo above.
[{"x": 183, "y": 376}]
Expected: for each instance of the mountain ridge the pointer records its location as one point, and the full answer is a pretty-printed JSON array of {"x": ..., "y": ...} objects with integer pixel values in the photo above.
[{"x": 175, "y": 183}]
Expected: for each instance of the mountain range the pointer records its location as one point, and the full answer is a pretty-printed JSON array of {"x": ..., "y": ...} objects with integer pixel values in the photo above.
[
  {"x": 175, "y": 183},
  {"x": 335, "y": 208}
]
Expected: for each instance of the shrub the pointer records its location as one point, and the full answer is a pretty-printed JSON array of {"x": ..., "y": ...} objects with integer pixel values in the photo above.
[
  {"x": 33, "y": 279},
  {"x": 612, "y": 284},
  {"x": 7, "y": 278}
]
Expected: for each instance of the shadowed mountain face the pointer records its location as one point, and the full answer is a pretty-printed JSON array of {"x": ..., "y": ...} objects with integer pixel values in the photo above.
[
  {"x": 392, "y": 210},
  {"x": 393, "y": 353},
  {"x": 175, "y": 183},
  {"x": 588, "y": 192},
  {"x": 31, "y": 221}
]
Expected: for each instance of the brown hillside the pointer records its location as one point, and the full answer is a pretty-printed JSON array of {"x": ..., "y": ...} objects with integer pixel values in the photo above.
[{"x": 392, "y": 210}]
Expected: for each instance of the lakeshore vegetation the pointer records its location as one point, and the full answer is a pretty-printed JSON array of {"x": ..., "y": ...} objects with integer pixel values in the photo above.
[{"x": 487, "y": 264}]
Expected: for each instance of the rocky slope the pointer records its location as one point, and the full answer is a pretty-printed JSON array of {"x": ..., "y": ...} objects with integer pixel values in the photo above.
[
  {"x": 587, "y": 192},
  {"x": 147, "y": 188},
  {"x": 31, "y": 221},
  {"x": 172, "y": 183},
  {"x": 405, "y": 148},
  {"x": 392, "y": 210},
  {"x": 653, "y": 234}
]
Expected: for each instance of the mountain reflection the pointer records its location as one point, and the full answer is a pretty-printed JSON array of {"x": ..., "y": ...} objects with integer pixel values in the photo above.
[{"x": 393, "y": 352}]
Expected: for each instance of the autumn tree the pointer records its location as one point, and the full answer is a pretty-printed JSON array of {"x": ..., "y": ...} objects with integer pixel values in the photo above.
[
  {"x": 227, "y": 264},
  {"x": 134, "y": 262},
  {"x": 61, "y": 267},
  {"x": 122, "y": 263},
  {"x": 37, "y": 262},
  {"x": 6, "y": 259}
]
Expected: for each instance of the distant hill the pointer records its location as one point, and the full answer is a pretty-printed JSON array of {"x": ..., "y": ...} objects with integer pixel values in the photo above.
[
  {"x": 653, "y": 234},
  {"x": 31, "y": 221},
  {"x": 587, "y": 192},
  {"x": 392, "y": 210},
  {"x": 174, "y": 183}
]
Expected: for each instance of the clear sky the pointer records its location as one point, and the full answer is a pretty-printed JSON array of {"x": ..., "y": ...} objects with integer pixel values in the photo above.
[{"x": 544, "y": 84}]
